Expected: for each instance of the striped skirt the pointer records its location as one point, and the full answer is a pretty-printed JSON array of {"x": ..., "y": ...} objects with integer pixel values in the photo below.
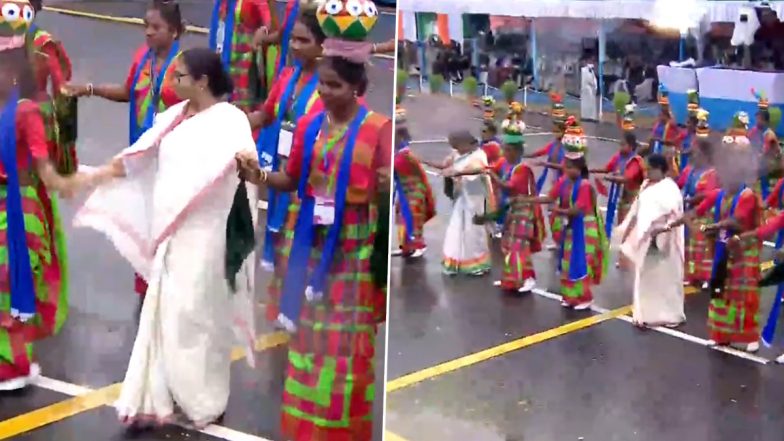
[
  {"x": 63, "y": 154},
  {"x": 698, "y": 256},
  {"x": 282, "y": 241},
  {"x": 734, "y": 317},
  {"x": 329, "y": 388},
  {"x": 416, "y": 195},
  {"x": 575, "y": 292},
  {"x": 520, "y": 240},
  {"x": 46, "y": 246}
]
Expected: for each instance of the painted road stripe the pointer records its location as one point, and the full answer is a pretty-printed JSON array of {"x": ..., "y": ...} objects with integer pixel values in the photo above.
[
  {"x": 139, "y": 21},
  {"x": 496, "y": 351},
  {"x": 86, "y": 399},
  {"x": 389, "y": 436},
  {"x": 58, "y": 411}
]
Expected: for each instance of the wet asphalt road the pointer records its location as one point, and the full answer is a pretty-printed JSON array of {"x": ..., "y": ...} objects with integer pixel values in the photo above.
[
  {"x": 93, "y": 349},
  {"x": 603, "y": 382}
]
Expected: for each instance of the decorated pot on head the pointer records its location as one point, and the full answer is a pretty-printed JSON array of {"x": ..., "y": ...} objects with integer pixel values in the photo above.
[
  {"x": 763, "y": 105},
  {"x": 693, "y": 102},
  {"x": 513, "y": 130},
  {"x": 574, "y": 140},
  {"x": 703, "y": 128},
  {"x": 737, "y": 134},
  {"x": 400, "y": 115},
  {"x": 16, "y": 18},
  {"x": 347, "y": 23},
  {"x": 489, "y": 107}
]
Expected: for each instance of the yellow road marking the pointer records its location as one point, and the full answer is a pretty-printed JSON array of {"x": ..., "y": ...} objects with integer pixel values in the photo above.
[
  {"x": 139, "y": 21},
  {"x": 58, "y": 411},
  {"x": 102, "y": 397},
  {"x": 389, "y": 436},
  {"x": 478, "y": 357},
  {"x": 264, "y": 342}
]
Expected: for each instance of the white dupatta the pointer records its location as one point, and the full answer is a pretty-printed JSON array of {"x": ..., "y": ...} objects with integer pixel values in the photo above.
[{"x": 169, "y": 174}]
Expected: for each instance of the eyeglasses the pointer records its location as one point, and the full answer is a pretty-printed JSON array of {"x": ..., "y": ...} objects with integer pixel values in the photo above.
[{"x": 179, "y": 75}]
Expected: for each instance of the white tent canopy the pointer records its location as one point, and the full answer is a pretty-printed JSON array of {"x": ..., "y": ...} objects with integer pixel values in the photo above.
[{"x": 713, "y": 10}]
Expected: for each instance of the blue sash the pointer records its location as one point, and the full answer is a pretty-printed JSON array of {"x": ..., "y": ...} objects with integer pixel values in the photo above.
[
  {"x": 658, "y": 134},
  {"x": 720, "y": 248},
  {"x": 267, "y": 147},
  {"x": 615, "y": 195},
  {"x": 686, "y": 150},
  {"x": 405, "y": 209},
  {"x": 543, "y": 178},
  {"x": 769, "y": 331},
  {"x": 20, "y": 273},
  {"x": 228, "y": 35},
  {"x": 507, "y": 172},
  {"x": 286, "y": 36},
  {"x": 296, "y": 282},
  {"x": 149, "y": 117},
  {"x": 578, "y": 264}
]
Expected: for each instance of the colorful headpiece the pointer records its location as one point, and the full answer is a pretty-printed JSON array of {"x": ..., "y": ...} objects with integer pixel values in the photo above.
[
  {"x": 762, "y": 100},
  {"x": 516, "y": 109},
  {"x": 703, "y": 128},
  {"x": 513, "y": 132},
  {"x": 574, "y": 141},
  {"x": 693, "y": 101},
  {"x": 627, "y": 124},
  {"x": 558, "y": 111},
  {"x": 664, "y": 96},
  {"x": 347, "y": 24},
  {"x": 489, "y": 104},
  {"x": 400, "y": 114},
  {"x": 16, "y": 17},
  {"x": 738, "y": 132}
]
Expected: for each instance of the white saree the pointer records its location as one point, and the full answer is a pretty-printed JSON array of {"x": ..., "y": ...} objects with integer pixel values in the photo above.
[
  {"x": 466, "y": 245},
  {"x": 167, "y": 217},
  {"x": 658, "y": 271}
]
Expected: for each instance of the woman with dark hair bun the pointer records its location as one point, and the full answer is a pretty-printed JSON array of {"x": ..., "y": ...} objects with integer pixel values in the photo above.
[
  {"x": 173, "y": 188},
  {"x": 333, "y": 285},
  {"x": 149, "y": 86},
  {"x": 32, "y": 243}
]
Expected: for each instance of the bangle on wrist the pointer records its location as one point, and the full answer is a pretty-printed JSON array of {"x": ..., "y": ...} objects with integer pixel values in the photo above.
[{"x": 90, "y": 89}]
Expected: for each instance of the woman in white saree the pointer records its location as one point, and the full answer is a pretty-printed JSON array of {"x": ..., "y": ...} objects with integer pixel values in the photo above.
[
  {"x": 466, "y": 245},
  {"x": 164, "y": 203},
  {"x": 656, "y": 255}
]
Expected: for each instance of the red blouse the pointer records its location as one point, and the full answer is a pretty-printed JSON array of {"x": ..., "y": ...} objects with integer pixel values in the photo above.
[
  {"x": 253, "y": 15},
  {"x": 562, "y": 193},
  {"x": 372, "y": 152},
  {"x": 773, "y": 200},
  {"x": 493, "y": 151},
  {"x": 771, "y": 227},
  {"x": 746, "y": 212},
  {"x": 30, "y": 136},
  {"x": 633, "y": 173}
]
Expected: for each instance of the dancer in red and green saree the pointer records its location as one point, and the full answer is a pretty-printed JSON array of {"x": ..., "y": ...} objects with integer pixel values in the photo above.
[
  {"x": 523, "y": 228},
  {"x": 293, "y": 95},
  {"x": 233, "y": 25},
  {"x": 665, "y": 135},
  {"x": 583, "y": 245},
  {"x": 340, "y": 166},
  {"x": 688, "y": 135},
  {"x": 696, "y": 181},
  {"x": 149, "y": 86},
  {"x": 735, "y": 209},
  {"x": 415, "y": 201},
  {"x": 53, "y": 66},
  {"x": 765, "y": 144},
  {"x": 626, "y": 172},
  {"x": 33, "y": 271}
]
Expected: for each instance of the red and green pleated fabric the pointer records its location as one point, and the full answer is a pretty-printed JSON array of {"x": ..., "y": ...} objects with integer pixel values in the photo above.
[
  {"x": 575, "y": 292},
  {"x": 734, "y": 317},
  {"x": 46, "y": 244},
  {"x": 523, "y": 233},
  {"x": 329, "y": 387},
  {"x": 698, "y": 256},
  {"x": 243, "y": 56},
  {"x": 416, "y": 187}
]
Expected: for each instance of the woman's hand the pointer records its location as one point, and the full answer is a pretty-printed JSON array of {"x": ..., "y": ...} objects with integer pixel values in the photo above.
[
  {"x": 74, "y": 91},
  {"x": 261, "y": 37},
  {"x": 248, "y": 167}
]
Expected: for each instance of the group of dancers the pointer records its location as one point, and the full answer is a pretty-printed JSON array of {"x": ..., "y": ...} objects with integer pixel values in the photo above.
[
  {"x": 274, "y": 109},
  {"x": 684, "y": 210}
]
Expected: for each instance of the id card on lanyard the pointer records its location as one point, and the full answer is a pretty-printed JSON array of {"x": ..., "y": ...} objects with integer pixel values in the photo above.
[
  {"x": 324, "y": 209},
  {"x": 220, "y": 36},
  {"x": 285, "y": 139}
]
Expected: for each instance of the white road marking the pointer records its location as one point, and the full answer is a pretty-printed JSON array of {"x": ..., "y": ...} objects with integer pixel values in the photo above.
[{"x": 74, "y": 390}]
